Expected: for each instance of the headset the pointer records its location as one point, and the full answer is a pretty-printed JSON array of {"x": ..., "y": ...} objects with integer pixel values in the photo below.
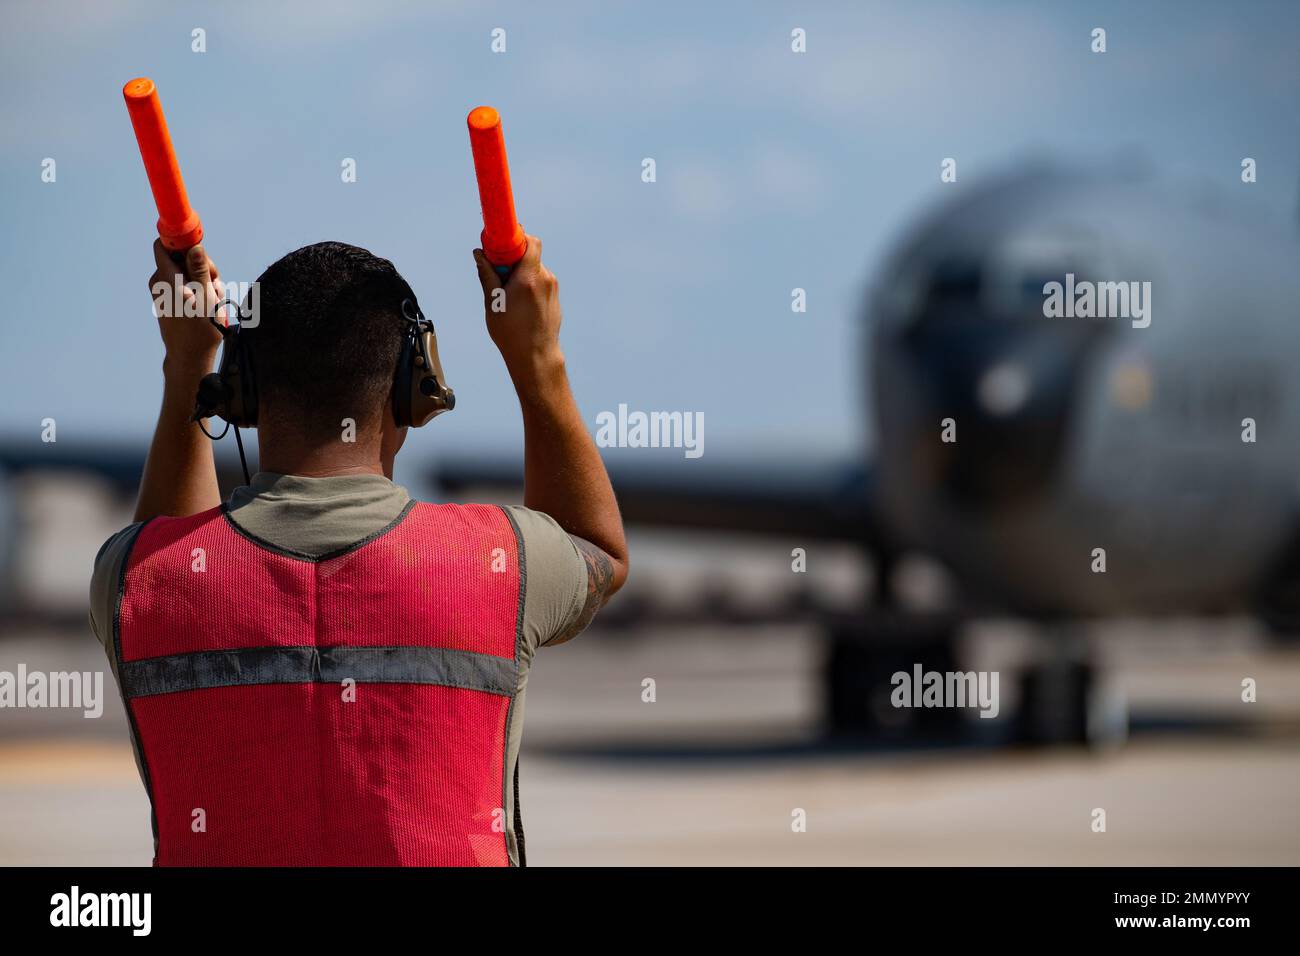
[{"x": 420, "y": 391}]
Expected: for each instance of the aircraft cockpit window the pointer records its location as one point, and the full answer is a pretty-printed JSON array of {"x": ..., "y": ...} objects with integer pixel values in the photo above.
[{"x": 1016, "y": 272}]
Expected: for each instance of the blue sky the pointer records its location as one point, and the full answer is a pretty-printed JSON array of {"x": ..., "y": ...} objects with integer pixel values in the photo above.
[{"x": 775, "y": 170}]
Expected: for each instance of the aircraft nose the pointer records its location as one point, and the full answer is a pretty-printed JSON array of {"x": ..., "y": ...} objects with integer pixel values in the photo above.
[{"x": 999, "y": 397}]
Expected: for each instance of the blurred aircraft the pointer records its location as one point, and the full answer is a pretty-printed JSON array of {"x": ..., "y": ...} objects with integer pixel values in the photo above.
[
  {"x": 1010, "y": 446},
  {"x": 1065, "y": 435}
]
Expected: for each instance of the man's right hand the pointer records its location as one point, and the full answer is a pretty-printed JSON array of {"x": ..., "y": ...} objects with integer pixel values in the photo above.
[{"x": 523, "y": 316}]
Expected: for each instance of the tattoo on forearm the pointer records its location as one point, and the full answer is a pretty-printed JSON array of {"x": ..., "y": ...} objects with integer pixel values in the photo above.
[{"x": 600, "y": 576}]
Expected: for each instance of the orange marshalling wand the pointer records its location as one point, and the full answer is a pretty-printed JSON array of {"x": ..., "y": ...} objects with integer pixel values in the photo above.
[
  {"x": 178, "y": 224},
  {"x": 503, "y": 238}
]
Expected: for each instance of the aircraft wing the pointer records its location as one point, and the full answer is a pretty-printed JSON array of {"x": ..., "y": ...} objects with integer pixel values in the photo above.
[
  {"x": 827, "y": 499},
  {"x": 119, "y": 463}
]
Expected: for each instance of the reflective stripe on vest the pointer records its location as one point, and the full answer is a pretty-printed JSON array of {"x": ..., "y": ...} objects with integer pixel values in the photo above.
[{"x": 349, "y": 710}]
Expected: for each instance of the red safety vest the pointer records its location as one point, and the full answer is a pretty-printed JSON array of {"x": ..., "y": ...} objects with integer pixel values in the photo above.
[{"x": 346, "y": 710}]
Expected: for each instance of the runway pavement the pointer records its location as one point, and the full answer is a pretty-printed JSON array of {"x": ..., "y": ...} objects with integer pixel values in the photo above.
[{"x": 716, "y": 768}]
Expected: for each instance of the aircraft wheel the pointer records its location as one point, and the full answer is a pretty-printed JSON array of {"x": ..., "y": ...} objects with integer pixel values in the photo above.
[
  {"x": 1067, "y": 702},
  {"x": 858, "y": 673}
]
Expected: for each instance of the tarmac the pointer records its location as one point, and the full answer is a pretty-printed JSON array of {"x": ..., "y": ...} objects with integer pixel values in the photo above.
[{"x": 728, "y": 759}]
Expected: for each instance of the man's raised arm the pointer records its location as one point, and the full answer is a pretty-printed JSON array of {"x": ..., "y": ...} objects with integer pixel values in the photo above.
[
  {"x": 563, "y": 473},
  {"x": 179, "y": 478}
]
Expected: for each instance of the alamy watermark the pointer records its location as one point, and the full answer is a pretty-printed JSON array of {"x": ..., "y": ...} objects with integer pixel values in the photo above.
[
  {"x": 625, "y": 429},
  {"x": 947, "y": 689},
  {"x": 241, "y": 299},
  {"x": 1098, "y": 300},
  {"x": 83, "y": 690},
  {"x": 129, "y": 910}
]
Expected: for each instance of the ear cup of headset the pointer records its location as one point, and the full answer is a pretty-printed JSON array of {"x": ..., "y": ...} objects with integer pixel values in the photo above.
[
  {"x": 402, "y": 383},
  {"x": 430, "y": 396},
  {"x": 231, "y": 391},
  {"x": 419, "y": 393}
]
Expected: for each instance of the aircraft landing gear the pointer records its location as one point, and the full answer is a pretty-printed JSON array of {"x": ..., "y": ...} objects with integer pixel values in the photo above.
[
  {"x": 858, "y": 671},
  {"x": 1065, "y": 699}
]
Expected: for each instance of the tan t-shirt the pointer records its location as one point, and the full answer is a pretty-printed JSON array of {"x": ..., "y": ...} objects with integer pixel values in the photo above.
[{"x": 316, "y": 516}]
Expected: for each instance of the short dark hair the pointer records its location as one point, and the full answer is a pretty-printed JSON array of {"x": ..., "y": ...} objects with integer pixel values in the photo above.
[{"x": 328, "y": 336}]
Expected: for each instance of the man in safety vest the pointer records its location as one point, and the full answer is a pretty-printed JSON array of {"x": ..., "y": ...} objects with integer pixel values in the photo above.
[{"x": 320, "y": 670}]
